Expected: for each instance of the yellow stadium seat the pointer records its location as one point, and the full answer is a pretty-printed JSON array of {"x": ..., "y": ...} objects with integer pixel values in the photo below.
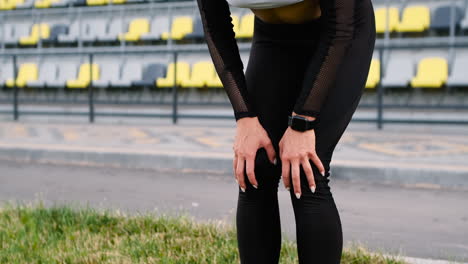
[
  {"x": 41, "y": 30},
  {"x": 27, "y": 72},
  {"x": 83, "y": 79},
  {"x": 235, "y": 23},
  {"x": 10, "y": 4},
  {"x": 381, "y": 19},
  {"x": 373, "y": 77},
  {"x": 97, "y": 2},
  {"x": 183, "y": 74},
  {"x": 415, "y": 18},
  {"x": 432, "y": 73},
  {"x": 137, "y": 27},
  {"x": 246, "y": 26},
  {"x": 201, "y": 72},
  {"x": 45, "y": 3},
  {"x": 215, "y": 81},
  {"x": 181, "y": 26},
  {"x": 118, "y": 1}
]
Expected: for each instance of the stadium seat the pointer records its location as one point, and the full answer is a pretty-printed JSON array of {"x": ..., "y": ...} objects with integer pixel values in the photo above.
[
  {"x": 45, "y": 3},
  {"x": 458, "y": 76},
  {"x": 198, "y": 32},
  {"x": 441, "y": 17},
  {"x": 9, "y": 4},
  {"x": 97, "y": 2},
  {"x": 47, "y": 71},
  {"x": 201, "y": 72},
  {"x": 13, "y": 31},
  {"x": 151, "y": 73},
  {"x": 84, "y": 77},
  {"x": 181, "y": 26},
  {"x": 93, "y": 28},
  {"x": 158, "y": 26},
  {"x": 381, "y": 19},
  {"x": 235, "y": 24},
  {"x": 109, "y": 71},
  {"x": 27, "y": 72},
  {"x": 183, "y": 73},
  {"x": 131, "y": 71},
  {"x": 72, "y": 33},
  {"x": 399, "y": 70},
  {"x": 25, "y": 4},
  {"x": 114, "y": 28},
  {"x": 415, "y": 18},
  {"x": 432, "y": 73},
  {"x": 56, "y": 30},
  {"x": 136, "y": 28},
  {"x": 373, "y": 77},
  {"x": 39, "y": 30},
  {"x": 6, "y": 70},
  {"x": 66, "y": 71},
  {"x": 117, "y": 1},
  {"x": 246, "y": 26}
]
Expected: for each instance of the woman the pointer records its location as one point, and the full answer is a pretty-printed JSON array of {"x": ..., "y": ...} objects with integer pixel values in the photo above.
[{"x": 309, "y": 58}]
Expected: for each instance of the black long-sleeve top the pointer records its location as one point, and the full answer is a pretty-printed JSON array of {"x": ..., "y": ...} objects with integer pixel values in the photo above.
[{"x": 336, "y": 33}]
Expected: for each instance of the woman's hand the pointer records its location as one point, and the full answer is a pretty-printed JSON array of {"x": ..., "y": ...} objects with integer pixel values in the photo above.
[
  {"x": 296, "y": 148},
  {"x": 250, "y": 136}
]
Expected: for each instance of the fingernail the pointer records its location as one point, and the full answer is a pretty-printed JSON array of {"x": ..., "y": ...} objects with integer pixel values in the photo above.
[
  {"x": 236, "y": 180},
  {"x": 323, "y": 173},
  {"x": 243, "y": 190},
  {"x": 298, "y": 195},
  {"x": 255, "y": 186},
  {"x": 287, "y": 188},
  {"x": 274, "y": 161},
  {"x": 312, "y": 188}
]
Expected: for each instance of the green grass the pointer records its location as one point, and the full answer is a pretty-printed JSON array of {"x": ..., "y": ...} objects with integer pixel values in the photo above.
[{"x": 35, "y": 233}]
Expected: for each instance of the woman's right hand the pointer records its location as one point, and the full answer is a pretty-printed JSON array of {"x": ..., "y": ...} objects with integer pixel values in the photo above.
[{"x": 250, "y": 136}]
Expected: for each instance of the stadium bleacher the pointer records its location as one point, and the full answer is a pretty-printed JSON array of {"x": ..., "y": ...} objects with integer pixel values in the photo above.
[{"x": 40, "y": 26}]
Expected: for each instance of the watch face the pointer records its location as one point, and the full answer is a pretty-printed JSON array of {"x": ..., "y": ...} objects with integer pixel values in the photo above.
[{"x": 298, "y": 123}]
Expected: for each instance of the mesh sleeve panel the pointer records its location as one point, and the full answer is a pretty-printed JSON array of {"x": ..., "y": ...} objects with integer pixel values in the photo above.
[
  {"x": 220, "y": 37},
  {"x": 337, "y": 30}
]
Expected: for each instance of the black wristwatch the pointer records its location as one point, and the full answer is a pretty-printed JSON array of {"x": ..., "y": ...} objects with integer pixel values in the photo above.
[{"x": 300, "y": 123}]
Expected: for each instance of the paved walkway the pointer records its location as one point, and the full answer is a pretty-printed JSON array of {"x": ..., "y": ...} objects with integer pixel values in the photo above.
[{"x": 431, "y": 155}]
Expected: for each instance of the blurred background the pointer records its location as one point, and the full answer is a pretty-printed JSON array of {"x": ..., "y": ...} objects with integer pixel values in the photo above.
[{"x": 117, "y": 103}]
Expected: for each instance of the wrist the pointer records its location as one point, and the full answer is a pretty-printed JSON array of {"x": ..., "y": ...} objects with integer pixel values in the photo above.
[{"x": 311, "y": 118}]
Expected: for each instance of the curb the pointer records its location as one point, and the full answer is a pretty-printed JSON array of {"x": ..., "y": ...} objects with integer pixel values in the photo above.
[{"x": 221, "y": 164}]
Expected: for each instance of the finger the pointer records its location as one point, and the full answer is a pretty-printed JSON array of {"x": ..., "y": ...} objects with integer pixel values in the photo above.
[
  {"x": 251, "y": 171},
  {"x": 309, "y": 173},
  {"x": 271, "y": 152},
  {"x": 240, "y": 172},
  {"x": 314, "y": 157},
  {"x": 285, "y": 168},
  {"x": 295, "y": 177},
  {"x": 234, "y": 165}
]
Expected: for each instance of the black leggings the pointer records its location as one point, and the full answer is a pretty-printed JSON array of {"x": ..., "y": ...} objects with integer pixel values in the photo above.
[{"x": 277, "y": 63}]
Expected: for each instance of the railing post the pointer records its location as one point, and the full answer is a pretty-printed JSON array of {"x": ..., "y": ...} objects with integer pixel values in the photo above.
[
  {"x": 90, "y": 90},
  {"x": 380, "y": 91},
  {"x": 15, "y": 90},
  {"x": 174, "y": 90}
]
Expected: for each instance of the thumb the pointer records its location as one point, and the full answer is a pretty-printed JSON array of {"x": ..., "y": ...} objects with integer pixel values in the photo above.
[{"x": 271, "y": 152}]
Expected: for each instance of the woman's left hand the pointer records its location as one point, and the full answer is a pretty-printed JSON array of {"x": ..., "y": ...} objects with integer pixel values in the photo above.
[{"x": 296, "y": 148}]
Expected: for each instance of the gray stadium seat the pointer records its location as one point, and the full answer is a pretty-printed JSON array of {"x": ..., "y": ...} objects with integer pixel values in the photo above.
[
  {"x": 6, "y": 70},
  {"x": 109, "y": 72},
  {"x": 464, "y": 22},
  {"x": 399, "y": 70},
  {"x": 93, "y": 29},
  {"x": 150, "y": 74},
  {"x": 440, "y": 19},
  {"x": 458, "y": 76},
  {"x": 25, "y": 5},
  {"x": 14, "y": 31},
  {"x": 66, "y": 71},
  {"x": 131, "y": 71},
  {"x": 158, "y": 25},
  {"x": 47, "y": 71},
  {"x": 55, "y": 31},
  {"x": 114, "y": 27},
  {"x": 73, "y": 33},
  {"x": 197, "y": 30}
]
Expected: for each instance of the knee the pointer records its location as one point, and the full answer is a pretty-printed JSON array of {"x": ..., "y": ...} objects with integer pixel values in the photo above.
[{"x": 267, "y": 174}]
